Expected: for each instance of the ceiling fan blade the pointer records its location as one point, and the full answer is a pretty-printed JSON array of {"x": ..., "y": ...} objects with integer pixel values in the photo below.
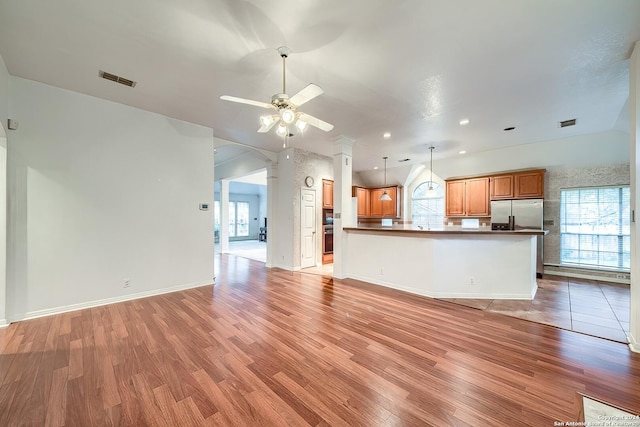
[
  {"x": 313, "y": 121},
  {"x": 246, "y": 101},
  {"x": 265, "y": 128},
  {"x": 306, "y": 94}
]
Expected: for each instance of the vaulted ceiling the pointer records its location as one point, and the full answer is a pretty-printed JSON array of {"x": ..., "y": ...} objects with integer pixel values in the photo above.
[{"x": 413, "y": 68}]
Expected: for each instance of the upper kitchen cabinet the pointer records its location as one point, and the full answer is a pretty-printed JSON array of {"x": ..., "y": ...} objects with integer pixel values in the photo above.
[
  {"x": 529, "y": 185},
  {"x": 370, "y": 205},
  {"x": 455, "y": 198},
  {"x": 364, "y": 200},
  {"x": 518, "y": 185},
  {"x": 501, "y": 187},
  {"x": 327, "y": 194},
  {"x": 477, "y": 194},
  {"x": 467, "y": 197}
]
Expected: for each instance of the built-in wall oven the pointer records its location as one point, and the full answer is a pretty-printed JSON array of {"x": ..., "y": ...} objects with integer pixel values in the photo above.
[{"x": 327, "y": 237}]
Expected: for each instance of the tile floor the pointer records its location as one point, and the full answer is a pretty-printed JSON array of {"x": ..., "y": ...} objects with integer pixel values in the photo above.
[
  {"x": 594, "y": 308},
  {"x": 252, "y": 249}
]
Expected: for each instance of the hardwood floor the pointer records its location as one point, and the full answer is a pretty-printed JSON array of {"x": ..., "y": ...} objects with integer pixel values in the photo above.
[{"x": 270, "y": 347}]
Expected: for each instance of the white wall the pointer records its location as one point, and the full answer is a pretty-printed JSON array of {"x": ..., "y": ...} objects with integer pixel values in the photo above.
[
  {"x": 100, "y": 192},
  {"x": 596, "y": 149},
  {"x": 4, "y": 108},
  {"x": 286, "y": 197},
  {"x": 319, "y": 167},
  {"x": 4, "y": 93}
]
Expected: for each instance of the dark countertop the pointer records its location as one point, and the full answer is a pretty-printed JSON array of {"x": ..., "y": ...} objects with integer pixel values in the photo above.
[{"x": 412, "y": 229}]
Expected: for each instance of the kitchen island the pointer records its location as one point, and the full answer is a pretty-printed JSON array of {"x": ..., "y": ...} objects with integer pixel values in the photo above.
[{"x": 450, "y": 262}]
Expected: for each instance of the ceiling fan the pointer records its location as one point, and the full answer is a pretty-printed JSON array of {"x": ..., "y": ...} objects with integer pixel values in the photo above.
[{"x": 286, "y": 107}]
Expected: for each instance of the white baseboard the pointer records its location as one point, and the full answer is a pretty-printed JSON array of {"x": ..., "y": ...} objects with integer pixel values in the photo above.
[
  {"x": 283, "y": 267},
  {"x": 106, "y": 301},
  {"x": 587, "y": 276},
  {"x": 633, "y": 344},
  {"x": 3, "y": 323}
]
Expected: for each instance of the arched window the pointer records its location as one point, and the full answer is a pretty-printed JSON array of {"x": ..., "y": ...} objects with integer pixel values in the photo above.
[{"x": 427, "y": 211}]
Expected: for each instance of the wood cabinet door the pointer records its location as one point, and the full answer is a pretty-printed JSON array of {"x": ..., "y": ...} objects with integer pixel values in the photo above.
[
  {"x": 390, "y": 207},
  {"x": 376, "y": 203},
  {"x": 501, "y": 187},
  {"x": 529, "y": 185},
  {"x": 455, "y": 203},
  {"x": 477, "y": 197},
  {"x": 364, "y": 201},
  {"x": 327, "y": 193}
]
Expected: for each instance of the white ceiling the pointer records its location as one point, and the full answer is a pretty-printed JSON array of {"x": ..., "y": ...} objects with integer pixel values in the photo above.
[{"x": 412, "y": 68}]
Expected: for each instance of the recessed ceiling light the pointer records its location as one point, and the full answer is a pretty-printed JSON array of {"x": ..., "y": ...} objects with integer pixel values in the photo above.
[
  {"x": 403, "y": 160},
  {"x": 464, "y": 122},
  {"x": 509, "y": 128},
  {"x": 462, "y": 152},
  {"x": 387, "y": 135},
  {"x": 375, "y": 168}
]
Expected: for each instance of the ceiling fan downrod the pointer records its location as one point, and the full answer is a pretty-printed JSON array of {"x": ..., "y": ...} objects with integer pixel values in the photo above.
[{"x": 284, "y": 53}]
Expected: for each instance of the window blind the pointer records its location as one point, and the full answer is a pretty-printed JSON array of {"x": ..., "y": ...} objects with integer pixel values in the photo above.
[{"x": 595, "y": 227}]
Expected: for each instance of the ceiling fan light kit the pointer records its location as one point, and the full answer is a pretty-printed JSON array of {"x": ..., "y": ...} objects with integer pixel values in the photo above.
[{"x": 286, "y": 106}]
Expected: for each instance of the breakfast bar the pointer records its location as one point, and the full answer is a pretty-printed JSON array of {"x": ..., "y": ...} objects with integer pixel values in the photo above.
[{"x": 450, "y": 262}]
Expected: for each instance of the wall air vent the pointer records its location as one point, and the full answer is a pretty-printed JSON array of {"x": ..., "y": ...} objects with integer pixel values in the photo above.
[
  {"x": 403, "y": 160},
  {"x": 566, "y": 123},
  {"x": 117, "y": 79}
]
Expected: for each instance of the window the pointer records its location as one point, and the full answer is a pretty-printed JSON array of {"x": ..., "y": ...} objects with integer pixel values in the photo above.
[
  {"x": 425, "y": 211},
  {"x": 238, "y": 218},
  {"x": 216, "y": 215},
  {"x": 595, "y": 227}
]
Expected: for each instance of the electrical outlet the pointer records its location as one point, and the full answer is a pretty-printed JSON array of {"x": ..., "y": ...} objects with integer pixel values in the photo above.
[
  {"x": 621, "y": 276},
  {"x": 127, "y": 283},
  {"x": 382, "y": 271},
  {"x": 472, "y": 280}
]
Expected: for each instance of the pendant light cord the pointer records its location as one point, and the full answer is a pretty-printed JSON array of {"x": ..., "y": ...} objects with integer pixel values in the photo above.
[
  {"x": 385, "y": 171},
  {"x": 431, "y": 167}
]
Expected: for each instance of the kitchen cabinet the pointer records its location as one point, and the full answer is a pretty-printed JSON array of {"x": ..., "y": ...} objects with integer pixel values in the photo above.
[
  {"x": 370, "y": 205},
  {"x": 327, "y": 194},
  {"x": 477, "y": 197},
  {"x": 364, "y": 200},
  {"x": 518, "y": 185},
  {"x": 501, "y": 187},
  {"x": 455, "y": 193},
  {"x": 529, "y": 185},
  {"x": 467, "y": 197}
]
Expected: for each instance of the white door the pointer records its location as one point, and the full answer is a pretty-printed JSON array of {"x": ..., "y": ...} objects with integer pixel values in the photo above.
[{"x": 308, "y": 228}]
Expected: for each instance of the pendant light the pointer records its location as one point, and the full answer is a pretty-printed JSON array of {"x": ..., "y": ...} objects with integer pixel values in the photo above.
[
  {"x": 431, "y": 192},
  {"x": 385, "y": 196}
]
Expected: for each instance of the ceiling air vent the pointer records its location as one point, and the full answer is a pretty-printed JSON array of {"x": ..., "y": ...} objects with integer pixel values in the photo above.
[
  {"x": 117, "y": 79},
  {"x": 403, "y": 160},
  {"x": 566, "y": 123}
]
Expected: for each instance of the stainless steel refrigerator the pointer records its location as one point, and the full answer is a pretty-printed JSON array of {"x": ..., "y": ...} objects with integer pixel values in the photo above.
[{"x": 524, "y": 214}]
